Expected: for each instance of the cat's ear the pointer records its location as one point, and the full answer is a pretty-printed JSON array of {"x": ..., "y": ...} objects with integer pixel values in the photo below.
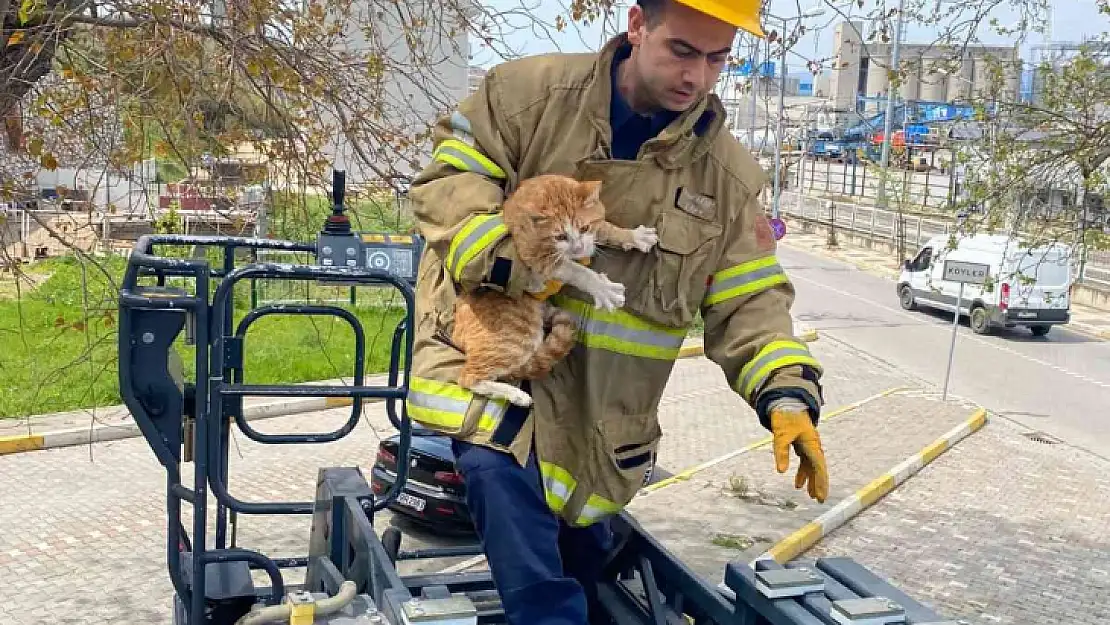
[{"x": 591, "y": 191}]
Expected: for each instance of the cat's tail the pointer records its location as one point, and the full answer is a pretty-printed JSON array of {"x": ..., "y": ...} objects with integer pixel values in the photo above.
[{"x": 556, "y": 345}]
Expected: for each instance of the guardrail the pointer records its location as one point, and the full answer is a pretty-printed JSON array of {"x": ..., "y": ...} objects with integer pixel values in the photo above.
[
  {"x": 925, "y": 186},
  {"x": 873, "y": 222},
  {"x": 881, "y": 224}
]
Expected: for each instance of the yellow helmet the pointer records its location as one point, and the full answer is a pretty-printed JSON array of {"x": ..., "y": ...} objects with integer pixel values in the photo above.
[{"x": 743, "y": 14}]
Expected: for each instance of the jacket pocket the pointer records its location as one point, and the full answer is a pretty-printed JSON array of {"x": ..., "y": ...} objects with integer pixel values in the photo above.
[
  {"x": 631, "y": 443},
  {"x": 683, "y": 263}
]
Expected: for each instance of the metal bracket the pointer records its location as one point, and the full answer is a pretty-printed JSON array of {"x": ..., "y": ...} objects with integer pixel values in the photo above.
[
  {"x": 188, "y": 431},
  {"x": 232, "y": 406},
  {"x": 455, "y": 610},
  {"x": 233, "y": 352},
  {"x": 780, "y": 583},
  {"x": 867, "y": 611},
  {"x": 190, "y": 328}
]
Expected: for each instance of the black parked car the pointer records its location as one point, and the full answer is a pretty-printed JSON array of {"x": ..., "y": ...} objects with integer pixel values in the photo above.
[{"x": 433, "y": 492}]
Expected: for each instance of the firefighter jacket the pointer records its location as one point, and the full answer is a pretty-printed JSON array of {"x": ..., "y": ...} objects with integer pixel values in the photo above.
[{"x": 593, "y": 423}]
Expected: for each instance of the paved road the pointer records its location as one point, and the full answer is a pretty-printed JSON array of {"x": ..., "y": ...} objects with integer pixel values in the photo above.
[
  {"x": 867, "y": 219},
  {"x": 1059, "y": 384}
]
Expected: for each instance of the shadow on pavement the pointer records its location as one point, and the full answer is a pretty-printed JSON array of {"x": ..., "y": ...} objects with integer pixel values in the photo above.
[{"x": 1058, "y": 334}]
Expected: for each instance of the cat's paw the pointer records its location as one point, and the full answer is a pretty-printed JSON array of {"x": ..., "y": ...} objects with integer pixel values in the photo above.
[
  {"x": 519, "y": 397},
  {"x": 608, "y": 294},
  {"x": 501, "y": 390},
  {"x": 644, "y": 238}
]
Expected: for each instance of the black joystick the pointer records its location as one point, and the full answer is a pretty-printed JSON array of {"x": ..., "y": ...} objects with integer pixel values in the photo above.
[{"x": 337, "y": 222}]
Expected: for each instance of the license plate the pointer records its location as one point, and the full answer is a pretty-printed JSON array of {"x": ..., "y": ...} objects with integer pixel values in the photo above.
[
  {"x": 1027, "y": 315},
  {"x": 409, "y": 501}
]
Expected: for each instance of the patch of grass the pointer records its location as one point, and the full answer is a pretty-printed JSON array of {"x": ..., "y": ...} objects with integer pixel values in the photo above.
[
  {"x": 300, "y": 217},
  {"x": 58, "y": 342},
  {"x": 739, "y": 542},
  {"x": 739, "y": 487}
]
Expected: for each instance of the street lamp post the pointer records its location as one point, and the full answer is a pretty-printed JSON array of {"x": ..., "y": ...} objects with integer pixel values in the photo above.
[
  {"x": 753, "y": 80},
  {"x": 782, "y": 108},
  {"x": 888, "y": 119}
]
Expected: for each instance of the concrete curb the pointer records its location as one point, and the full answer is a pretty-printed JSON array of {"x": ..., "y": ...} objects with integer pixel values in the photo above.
[
  {"x": 100, "y": 433},
  {"x": 113, "y": 432},
  {"x": 1084, "y": 328},
  {"x": 798, "y": 542},
  {"x": 686, "y": 474}
]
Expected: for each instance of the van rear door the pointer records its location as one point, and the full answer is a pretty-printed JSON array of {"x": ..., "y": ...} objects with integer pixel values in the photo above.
[{"x": 1042, "y": 281}]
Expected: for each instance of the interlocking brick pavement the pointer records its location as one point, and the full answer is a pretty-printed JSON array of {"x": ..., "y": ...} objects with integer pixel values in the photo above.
[
  {"x": 1001, "y": 529},
  {"x": 702, "y": 419},
  {"x": 82, "y": 529},
  {"x": 741, "y": 507}
]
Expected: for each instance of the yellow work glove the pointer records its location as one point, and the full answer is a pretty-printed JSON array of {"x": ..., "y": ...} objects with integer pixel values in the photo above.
[{"x": 791, "y": 426}]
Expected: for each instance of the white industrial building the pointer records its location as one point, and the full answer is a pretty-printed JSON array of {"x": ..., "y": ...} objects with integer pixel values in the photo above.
[
  {"x": 933, "y": 73},
  {"x": 427, "y": 52}
]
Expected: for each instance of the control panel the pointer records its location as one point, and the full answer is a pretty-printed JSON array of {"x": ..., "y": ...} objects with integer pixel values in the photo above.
[
  {"x": 398, "y": 254},
  {"x": 338, "y": 246}
]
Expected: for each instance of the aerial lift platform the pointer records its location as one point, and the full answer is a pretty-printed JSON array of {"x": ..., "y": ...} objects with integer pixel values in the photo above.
[{"x": 351, "y": 573}]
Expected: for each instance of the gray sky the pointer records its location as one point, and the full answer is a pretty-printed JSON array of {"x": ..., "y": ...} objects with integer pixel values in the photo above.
[{"x": 1072, "y": 20}]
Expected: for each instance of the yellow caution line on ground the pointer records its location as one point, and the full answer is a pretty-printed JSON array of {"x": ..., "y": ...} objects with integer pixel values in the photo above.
[
  {"x": 797, "y": 543},
  {"x": 698, "y": 349},
  {"x": 686, "y": 474}
]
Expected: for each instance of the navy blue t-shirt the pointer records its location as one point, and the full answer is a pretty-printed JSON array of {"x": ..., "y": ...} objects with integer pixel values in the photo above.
[{"x": 631, "y": 129}]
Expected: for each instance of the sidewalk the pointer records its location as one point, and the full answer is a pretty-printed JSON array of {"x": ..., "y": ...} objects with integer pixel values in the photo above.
[
  {"x": 88, "y": 523},
  {"x": 1001, "y": 530},
  {"x": 110, "y": 423},
  {"x": 742, "y": 507},
  {"x": 1083, "y": 318}
]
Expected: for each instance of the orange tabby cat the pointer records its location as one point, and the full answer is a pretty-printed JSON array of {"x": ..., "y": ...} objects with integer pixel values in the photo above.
[{"x": 554, "y": 221}]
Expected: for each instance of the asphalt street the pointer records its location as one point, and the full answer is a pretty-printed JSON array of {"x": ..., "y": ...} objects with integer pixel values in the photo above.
[{"x": 1058, "y": 384}]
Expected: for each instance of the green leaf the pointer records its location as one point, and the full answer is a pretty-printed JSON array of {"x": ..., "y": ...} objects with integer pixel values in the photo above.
[{"x": 26, "y": 9}]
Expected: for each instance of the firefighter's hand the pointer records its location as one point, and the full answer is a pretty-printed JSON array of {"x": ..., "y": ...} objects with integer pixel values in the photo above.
[{"x": 791, "y": 426}]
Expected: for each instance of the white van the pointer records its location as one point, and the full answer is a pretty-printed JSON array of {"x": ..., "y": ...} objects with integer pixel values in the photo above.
[{"x": 1027, "y": 287}]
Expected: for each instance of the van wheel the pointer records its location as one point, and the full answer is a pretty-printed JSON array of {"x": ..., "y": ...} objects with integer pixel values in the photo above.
[
  {"x": 980, "y": 320},
  {"x": 1039, "y": 330},
  {"x": 905, "y": 297}
]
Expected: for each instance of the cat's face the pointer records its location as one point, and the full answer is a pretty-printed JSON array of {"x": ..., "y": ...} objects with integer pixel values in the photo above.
[
  {"x": 556, "y": 214},
  {"x": 574, "y": 241}
]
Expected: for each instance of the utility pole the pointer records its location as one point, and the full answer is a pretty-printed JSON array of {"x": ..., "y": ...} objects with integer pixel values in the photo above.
[
  {"x": 779, "y": 128},
  {"x": 782, "y": 109},
  {"x": 753, "y": 80},
  {"x": 895, "y": 59}
]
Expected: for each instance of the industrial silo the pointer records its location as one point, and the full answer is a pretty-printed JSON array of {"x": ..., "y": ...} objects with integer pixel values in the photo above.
[
  {"x": 983, "y": 76},
  {"x": 878, "y": 76},
  {"x": 911, "y": 82},
  {"x": 934, "y": 82},
  {"x": 959, "y": 82}
]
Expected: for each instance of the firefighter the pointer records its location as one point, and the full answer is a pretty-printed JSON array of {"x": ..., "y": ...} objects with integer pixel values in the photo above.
[{"x": 641, "y": 117}]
